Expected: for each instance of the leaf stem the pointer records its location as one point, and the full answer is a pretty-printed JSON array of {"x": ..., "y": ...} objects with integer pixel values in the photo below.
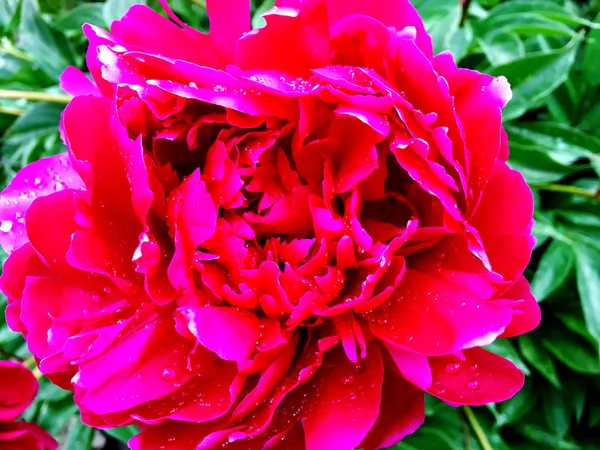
[
  {"x": 7, "y": 48},
  {"x": 200, "y": 3},
  {"x": 464, "y": 12},
  {"x": 31, "y": 365},
  {"x": 466, "y": 434},
  {"x": 573, "y": 190},
  {"x": 11, "y": 111},
  {"x": 37, "y": 96},
  {"x": 481, "y": 437}
]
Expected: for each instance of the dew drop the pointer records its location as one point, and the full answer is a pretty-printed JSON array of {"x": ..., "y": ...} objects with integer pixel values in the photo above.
[
  {"x": 475, "y": 367},
  {"x": 348, "y": 380},
  {"x": 6, "y": 226},
  {"x": 453, "y": 368},
  {"x": 473, "y": 384},
  {"x": 168, "y": 374}
]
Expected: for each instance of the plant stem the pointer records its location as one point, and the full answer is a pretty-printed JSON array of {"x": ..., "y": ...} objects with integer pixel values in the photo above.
[
  {"x": 30, "y": 362},
  {"x": 7, "y": 48},
  {"x": 465, "y": 12},
  {"x": 466, "y": 434},
  {"x": 38, "y": 96},
  {"x": 31, "y": 365},
  {"x": 11, "y": 111},
  {"x": 36, "y": 372},
  {"x": 573, "y": 190},
  {"x": 481, "y": 437},
  {"x": 200, "y": 3}
]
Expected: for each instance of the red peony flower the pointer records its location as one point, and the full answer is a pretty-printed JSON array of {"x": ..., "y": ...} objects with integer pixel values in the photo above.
[
  {"x": 17, "y": 390},
  {"x": 272, "y": 239}
]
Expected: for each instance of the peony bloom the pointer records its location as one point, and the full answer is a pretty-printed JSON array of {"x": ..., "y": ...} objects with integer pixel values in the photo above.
[
  {"x": 272, "y": 239},
  {"x": 18, "y": 388}
]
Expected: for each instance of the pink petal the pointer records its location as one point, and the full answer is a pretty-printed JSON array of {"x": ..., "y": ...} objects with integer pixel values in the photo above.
[
  {"x": 393, "y": 13},
  {"x": 37, "y": 179},
  {"x": 228, "y": 22},
  {"x": 526, "y": 315},
  {"x": 52, "y": 239},
  {"x": 230, "y": 333},
  {"x": 402, "y": 412},
  {"x": 22, "y": 263},
  {"x": 503, "y": 219},
  {"x": 145, "y": 29},
  {"x": 414, "y": 367},
  {"x": 345, "y": 402},
  {"x": 23, "y": 435},
  {"x": 293, "y": 41},
  {"x": 435, "y": 317},
  {"x": 482, "y": 377},
  {"x": 73, "y": 81},
  {"x": 17, "y": 390}
]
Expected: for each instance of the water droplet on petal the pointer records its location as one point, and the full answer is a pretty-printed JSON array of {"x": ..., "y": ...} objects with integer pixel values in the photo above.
[
  {"x": 438, "y": 389},
  {"x": 473, "y": 384},
  {"x": 453, "y": 368},
  {"x": 168, "y": 374},
  {"x": 348, "y": 380},
  {"x": 6, "y": 226},
  {"x": 475, "y": 367}
]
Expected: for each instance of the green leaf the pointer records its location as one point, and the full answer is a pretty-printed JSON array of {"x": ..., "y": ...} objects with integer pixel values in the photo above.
[
  {"x": 506, "y": 349},
  {"x": 587, "y": 268},
  {"x": 556, "y": 413},
  {"x": 539, "y": 358},
  {"x": 577, "y": 325},
  {"x": 257, "y": 20},
  {"x": 563, "y": 143},
  {"x": 502, "y": 47},
  {"x": 575, "y": 394},
  {"x": 30, "y": 130},
  {"x": 579, "y": 218},
  {"x": 513, "y": 409},
  {"x": 8, "y": 9},
  {"x": 84, "y": 13},
  {"x": 440, "y": 18},
  {"x": 54, "y": 416},
  {"x": 115, "y": 9},
  {"x": 48, "y": 47},
  {"x": 547, "y": 440},
  {"x": 79, "y": 436},
  {"x": 594, "y": 416},
  {"x": 572, "y": 351},
  {"x": 122, "y": 434},
  {"x": 526, "y": 24},
  {"x": 591, "y": 56},
  {"x": 535, "y": 76},
  {"x": 537, "y": 166},
  {"x": 525, "y": 6},
  {"x": 553, "y": 270}
]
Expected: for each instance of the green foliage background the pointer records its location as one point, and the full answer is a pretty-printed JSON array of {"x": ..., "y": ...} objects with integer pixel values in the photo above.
[{"x": 550, "y": 52}]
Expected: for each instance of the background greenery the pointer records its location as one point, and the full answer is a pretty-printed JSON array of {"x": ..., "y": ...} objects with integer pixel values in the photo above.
[{"x": 550, "y": 52}]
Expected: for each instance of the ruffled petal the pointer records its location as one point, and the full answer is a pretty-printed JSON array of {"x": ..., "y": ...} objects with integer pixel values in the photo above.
[
  {"x": 37, "y": 179},
  {"x": 481, "y": 377},
  {"x": 345, "y": 401}
]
